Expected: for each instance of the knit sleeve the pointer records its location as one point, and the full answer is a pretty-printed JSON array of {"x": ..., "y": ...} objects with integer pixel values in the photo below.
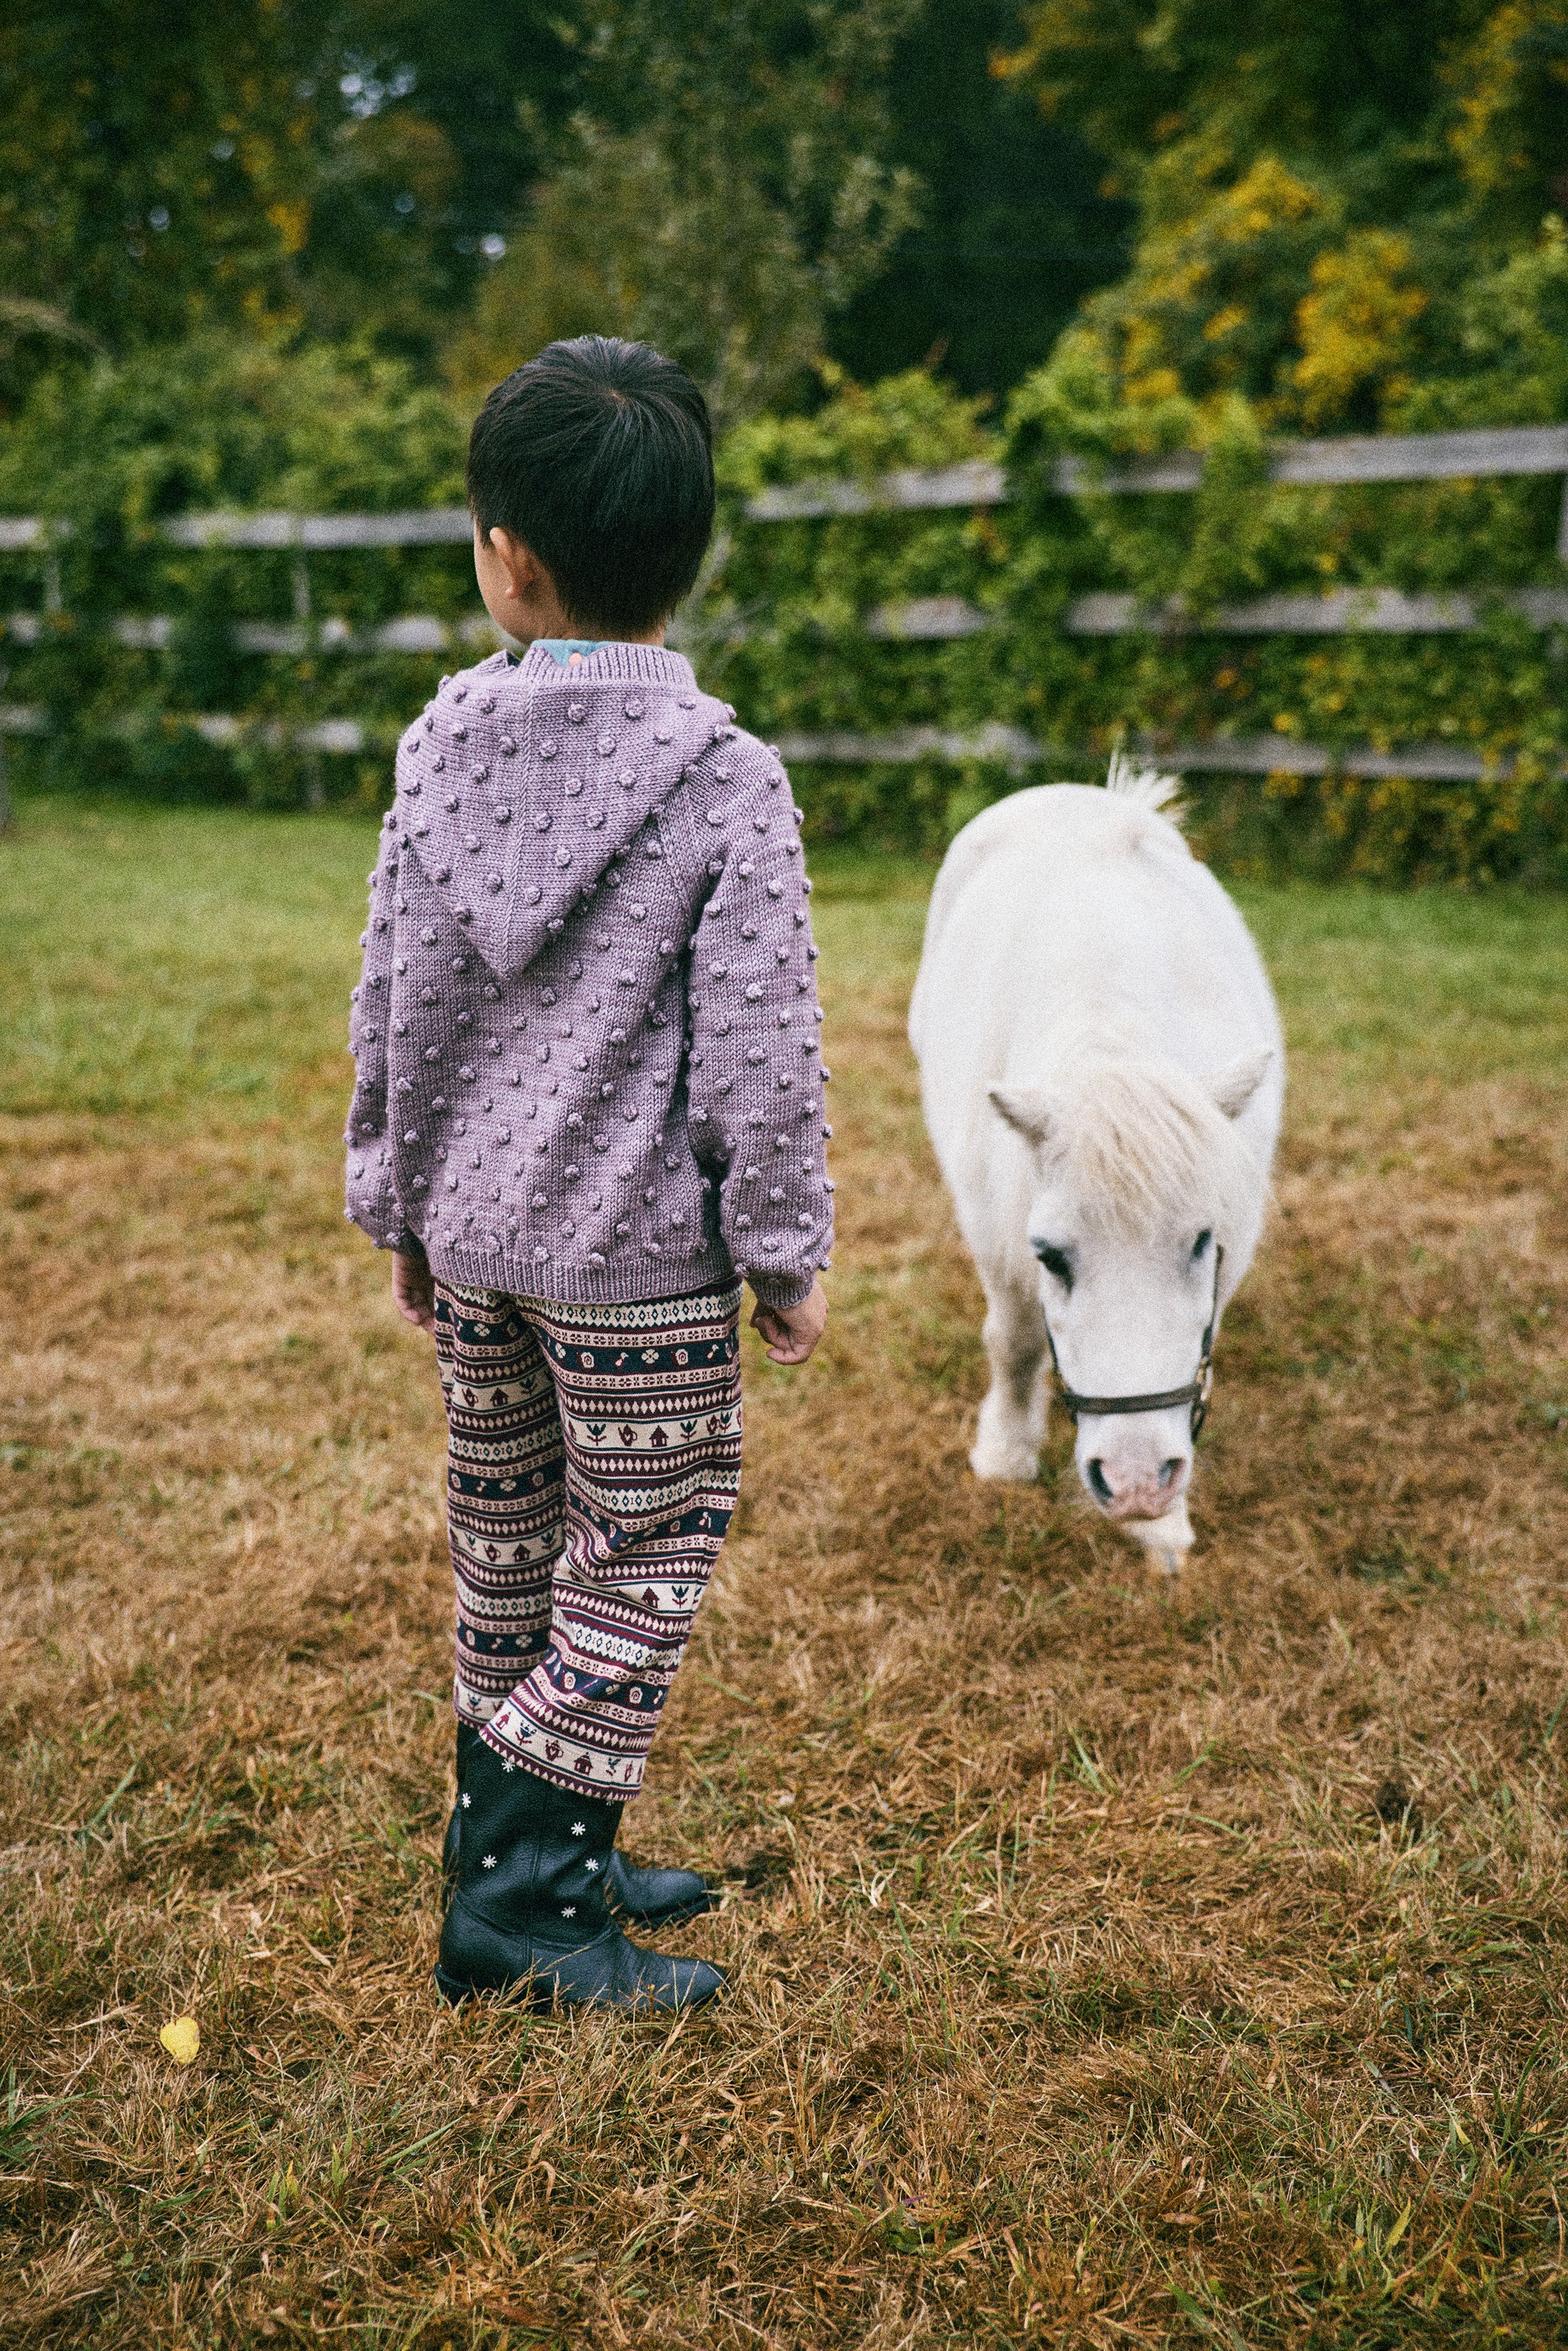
[
  {"x": 373, "y": 1203},
  {"x": 755, "y": 1082}
]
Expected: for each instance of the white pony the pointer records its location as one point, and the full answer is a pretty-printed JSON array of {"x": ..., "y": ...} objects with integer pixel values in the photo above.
[{"x": 1102, "y": 1073}]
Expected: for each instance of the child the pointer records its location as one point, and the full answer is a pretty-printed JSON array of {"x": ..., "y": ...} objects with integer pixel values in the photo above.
[{"x": 588, "y": 1100}]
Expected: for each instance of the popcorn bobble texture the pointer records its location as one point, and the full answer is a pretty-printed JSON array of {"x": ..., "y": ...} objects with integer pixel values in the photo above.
[{"x": 587, "y": 1030}]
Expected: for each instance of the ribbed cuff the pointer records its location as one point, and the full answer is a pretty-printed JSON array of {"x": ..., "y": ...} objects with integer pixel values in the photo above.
[{"x": 780, "y": 1290}]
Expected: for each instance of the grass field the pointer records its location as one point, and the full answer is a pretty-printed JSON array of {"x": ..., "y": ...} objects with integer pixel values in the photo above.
[{"x": 1112, "y": 1962}]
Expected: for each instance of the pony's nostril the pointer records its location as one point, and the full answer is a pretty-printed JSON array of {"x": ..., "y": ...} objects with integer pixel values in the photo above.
[
  {"x": 1097, "y": 1483},
  {"x": 1169, "y": 1474}
]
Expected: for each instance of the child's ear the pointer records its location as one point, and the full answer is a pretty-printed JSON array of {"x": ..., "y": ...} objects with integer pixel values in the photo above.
[{"x": 516, "y": 563}]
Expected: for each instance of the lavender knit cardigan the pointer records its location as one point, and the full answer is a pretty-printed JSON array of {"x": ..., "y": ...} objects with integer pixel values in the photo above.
[{"x": 586, "y": 1032}]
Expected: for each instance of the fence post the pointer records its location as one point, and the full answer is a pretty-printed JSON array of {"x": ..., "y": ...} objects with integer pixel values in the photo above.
[{"x": 304, "y": 612}]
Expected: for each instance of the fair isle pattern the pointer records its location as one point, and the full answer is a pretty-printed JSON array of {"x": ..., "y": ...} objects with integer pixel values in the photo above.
[{"x": 592, "y": 1468}]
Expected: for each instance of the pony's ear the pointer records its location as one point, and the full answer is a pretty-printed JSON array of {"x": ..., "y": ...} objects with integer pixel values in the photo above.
[
  {"x": 1024, "y": 1108},
  {"x": 1233, "y": 1088}
]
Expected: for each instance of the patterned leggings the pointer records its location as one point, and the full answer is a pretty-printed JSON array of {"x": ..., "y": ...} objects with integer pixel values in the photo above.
[{"x": 593, "y": 1463}]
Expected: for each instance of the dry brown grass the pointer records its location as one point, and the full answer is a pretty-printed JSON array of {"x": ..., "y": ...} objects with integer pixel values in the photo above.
[{"x": 1113, "y": 1963}]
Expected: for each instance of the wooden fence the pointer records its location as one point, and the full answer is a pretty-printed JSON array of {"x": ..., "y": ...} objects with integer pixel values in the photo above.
[{"x": 1435, "y": 456}]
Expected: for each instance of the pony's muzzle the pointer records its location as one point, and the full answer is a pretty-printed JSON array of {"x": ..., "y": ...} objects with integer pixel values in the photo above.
[{"x": 1137, "y": 1489}]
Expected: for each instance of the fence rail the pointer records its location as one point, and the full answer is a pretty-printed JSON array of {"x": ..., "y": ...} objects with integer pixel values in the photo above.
[
  {"x": 419, "y": 527},
  {"x": 996, "y": 746},
  {"x": 1390, "y": 611},
  {"x": 1242, "y": 754},
  {"x": 1378, "y": 611},
  {"x": 413, "y": 632},
  {"x": 1374, "y": 457}
]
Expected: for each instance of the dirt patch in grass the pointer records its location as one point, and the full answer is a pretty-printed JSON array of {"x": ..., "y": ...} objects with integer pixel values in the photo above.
[{"x": 1113, "y": 1961}]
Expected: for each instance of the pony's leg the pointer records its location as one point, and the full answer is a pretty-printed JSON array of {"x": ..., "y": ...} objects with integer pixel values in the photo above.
[{"x": 1012, "y": 1418}]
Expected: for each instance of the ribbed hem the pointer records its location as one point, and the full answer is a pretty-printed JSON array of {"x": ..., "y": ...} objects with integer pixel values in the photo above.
[{"x": 638, "y": 1283}]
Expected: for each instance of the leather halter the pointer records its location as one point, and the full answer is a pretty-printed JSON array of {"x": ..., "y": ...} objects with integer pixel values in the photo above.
[{"x": 1194, "y": 1394}]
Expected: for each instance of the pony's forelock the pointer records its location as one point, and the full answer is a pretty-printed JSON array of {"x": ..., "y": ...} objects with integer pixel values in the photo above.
[{"x": 1143, "y": 1146}]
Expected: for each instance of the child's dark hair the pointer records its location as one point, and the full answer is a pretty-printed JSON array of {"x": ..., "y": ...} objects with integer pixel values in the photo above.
[{"x": 599, "y": 456}]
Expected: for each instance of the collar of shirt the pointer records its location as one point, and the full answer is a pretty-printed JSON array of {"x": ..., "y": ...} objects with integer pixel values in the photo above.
[{"x": 566, "y": 649}]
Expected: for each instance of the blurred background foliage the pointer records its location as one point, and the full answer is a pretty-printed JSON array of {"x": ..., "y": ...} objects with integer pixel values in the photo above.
[
  {"x": 255, "y": 254},
  {"x": 1243, "y": 203},
  {"x": 751, "y": 184}
]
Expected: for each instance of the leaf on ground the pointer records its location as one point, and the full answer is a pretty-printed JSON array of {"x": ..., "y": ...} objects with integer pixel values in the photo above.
[{"x": 181, "y": 2039}]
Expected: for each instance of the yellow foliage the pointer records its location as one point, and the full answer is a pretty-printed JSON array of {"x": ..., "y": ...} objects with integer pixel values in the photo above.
[
  {"x": 1496, "y": 76},
  {"x": 292, "y": 219},
  {"x": 1052, "y": 24},
  {"x": 1354, "y": 327},
  {"x": 1149, "y": 386},
  {"x": 1178, "y": 320},
  {"x": 543, "y": 290},
  {"x": 1267, "y": 197},
  {"x": 400, "y": 146}
]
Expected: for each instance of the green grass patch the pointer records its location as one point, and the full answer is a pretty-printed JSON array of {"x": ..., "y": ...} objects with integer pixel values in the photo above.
[{"x": 197, "y": 962}]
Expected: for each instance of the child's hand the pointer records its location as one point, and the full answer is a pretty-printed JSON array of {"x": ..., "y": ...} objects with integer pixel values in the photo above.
[
  {"x": 413, "y": 1291},
  {"x": 791, "y": 1333}
]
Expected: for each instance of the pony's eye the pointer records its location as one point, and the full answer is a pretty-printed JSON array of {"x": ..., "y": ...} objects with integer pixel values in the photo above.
[
  {"x": 1202, "y": 1242},
  {"x": 1055, "y": 1261}
]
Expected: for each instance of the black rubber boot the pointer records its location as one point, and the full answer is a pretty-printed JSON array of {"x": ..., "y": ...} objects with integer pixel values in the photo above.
[
  {"x": 528, "y": 1913},
  {"x": 654, "y": 1897},
  {"x": 467, "y": 1733},
  {"x": 650, "y": 1898}
]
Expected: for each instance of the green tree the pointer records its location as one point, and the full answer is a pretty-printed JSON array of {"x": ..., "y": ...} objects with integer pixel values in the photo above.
[
  {"x": 1014, "y": 227},
  {"x": 445, "y": 111},
  {"x": 145, "y": 184},
  {"x": 722, "y": 189},
  {"x": 259, "y": 163},
  {"x": 1321, "y": 197}
]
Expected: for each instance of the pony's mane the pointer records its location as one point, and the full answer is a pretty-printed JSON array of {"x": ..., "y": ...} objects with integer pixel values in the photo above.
[
  {"x": 1145, "y": 787},
  {"x": 1143, "y": 1145}
]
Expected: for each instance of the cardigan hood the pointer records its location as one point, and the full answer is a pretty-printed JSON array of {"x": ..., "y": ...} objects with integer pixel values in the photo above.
[{"x": 523, "y": 781}]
